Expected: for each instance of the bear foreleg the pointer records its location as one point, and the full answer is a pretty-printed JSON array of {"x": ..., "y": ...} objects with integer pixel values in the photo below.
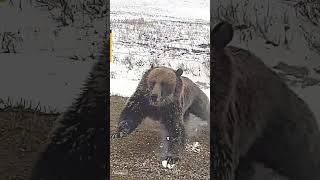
[
  {"x": 175, "y": 140},
  {"x": 131, "y": 116}
]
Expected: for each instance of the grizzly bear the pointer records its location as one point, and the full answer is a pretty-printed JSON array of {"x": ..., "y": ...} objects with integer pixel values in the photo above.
[
  {"x": 165, "y": 96},
  {"x": 77, "y": 147},
  {"x": 255, "y": 117}
]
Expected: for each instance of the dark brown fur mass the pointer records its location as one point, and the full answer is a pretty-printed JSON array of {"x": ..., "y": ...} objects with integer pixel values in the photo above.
[
  {"x": 256, "y": 117},
  {"x": 77, "y": 149},
  {"x": 164, "y": 95}
]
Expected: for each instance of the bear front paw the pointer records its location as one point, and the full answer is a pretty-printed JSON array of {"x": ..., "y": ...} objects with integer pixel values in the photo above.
[{"x": 169, "y": 162}]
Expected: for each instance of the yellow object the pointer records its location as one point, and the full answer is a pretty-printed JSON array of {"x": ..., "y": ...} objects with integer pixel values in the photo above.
[{"x": 110, "y": 46}]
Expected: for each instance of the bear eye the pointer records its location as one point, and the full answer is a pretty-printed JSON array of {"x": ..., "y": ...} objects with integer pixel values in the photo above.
[{"x": 152, "y": 83}]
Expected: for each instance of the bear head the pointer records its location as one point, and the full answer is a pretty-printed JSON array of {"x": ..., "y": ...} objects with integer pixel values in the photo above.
[{"x": 163, "y": 83}]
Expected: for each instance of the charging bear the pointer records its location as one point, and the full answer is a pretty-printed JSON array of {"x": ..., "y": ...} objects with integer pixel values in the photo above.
[
  {"x": 255, "y": 117},
  {"x": 164, "y": 95}
]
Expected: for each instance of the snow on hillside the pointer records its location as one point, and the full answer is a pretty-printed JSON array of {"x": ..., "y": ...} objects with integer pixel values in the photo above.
[
  {"x": 51, "y": 60},
  {"x": 158, "y": 32},
  {"x": 184, "y": 10}
]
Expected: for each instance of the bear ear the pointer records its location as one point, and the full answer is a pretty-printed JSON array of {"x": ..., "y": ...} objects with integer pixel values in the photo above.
[
  {"x": 221, "y": 35},
  {"x": 179, "y": 72}
]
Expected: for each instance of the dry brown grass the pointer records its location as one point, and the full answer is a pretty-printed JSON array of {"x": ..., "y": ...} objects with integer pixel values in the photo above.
[{"x": 21, "y": 135}]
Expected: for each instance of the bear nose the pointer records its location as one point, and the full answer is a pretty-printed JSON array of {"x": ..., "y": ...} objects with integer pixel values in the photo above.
[{"x": 154, "y": 97}]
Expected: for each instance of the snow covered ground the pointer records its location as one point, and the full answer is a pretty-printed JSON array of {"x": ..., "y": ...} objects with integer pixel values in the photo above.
[
  {"x": 184, "y": 10},
  {"x": 51, "y": 61},
  {"x": 158, "y": 32}
]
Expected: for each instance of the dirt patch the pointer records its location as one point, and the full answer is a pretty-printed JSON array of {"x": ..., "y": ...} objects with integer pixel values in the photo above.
[
  {"x": 138, "y": 156},
  {"x": 21, "y": 134}
]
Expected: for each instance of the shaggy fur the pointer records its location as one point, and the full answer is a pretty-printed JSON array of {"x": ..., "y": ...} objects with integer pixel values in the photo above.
[
  {"x": 256, "y": 117},
  {"x": 164, "y": 95},
  {"x": 78, "y": 145}
]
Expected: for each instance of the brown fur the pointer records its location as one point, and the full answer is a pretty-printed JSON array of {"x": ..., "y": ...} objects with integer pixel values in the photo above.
[
  {"x": 256, "y": 117},
  {"x": 175, "y": 97}
]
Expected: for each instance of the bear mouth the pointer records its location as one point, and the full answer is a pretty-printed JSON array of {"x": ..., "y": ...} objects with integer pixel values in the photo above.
[
  {"x": 160, "y": 102},
  {"x": 154, "y": 103},
  {"x": 157, "y": 103}
]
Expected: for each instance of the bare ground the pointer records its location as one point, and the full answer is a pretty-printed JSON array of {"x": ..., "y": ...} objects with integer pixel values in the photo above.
[
  {"x": 21, "y": 134},
  {"x": 138, "y": 156}
]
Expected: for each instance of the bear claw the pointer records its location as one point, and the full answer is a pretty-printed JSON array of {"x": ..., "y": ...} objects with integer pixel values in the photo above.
[
  {"x": 118, "y": 135},
  {"x": 169, "y": 162}
]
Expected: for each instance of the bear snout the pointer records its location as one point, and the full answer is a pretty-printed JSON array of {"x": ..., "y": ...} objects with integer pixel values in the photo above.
[{"x": 154, "y": 97}]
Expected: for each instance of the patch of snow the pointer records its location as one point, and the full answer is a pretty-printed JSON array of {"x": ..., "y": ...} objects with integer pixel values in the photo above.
[
  {"x": 40, "y": 78},
  {"x": 161, "y": 10},
  {"x": 123, "y": 87}
]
